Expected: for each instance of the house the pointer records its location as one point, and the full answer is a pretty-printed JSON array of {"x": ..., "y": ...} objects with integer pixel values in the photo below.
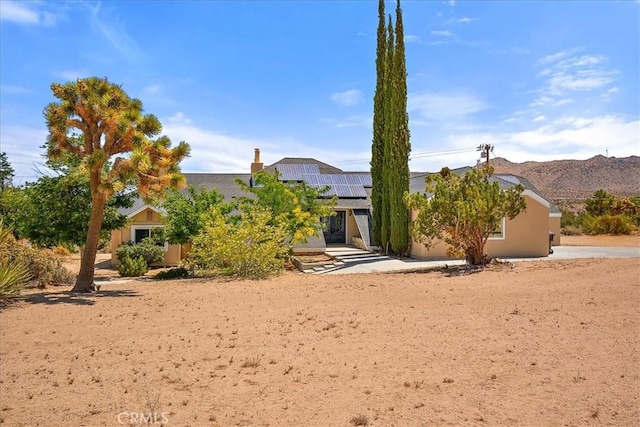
[{"x": 525, "y": 236}]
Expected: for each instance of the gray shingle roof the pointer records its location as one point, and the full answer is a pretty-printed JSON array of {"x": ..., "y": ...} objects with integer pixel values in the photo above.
[
  {"x": 225, "y": 183},
  {"x": 324, "y": 168}
]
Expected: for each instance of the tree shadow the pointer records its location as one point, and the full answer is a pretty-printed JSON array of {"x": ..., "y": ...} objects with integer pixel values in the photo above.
[
  {"x": 66, "y": 297},
  {"x": 447, "y": 270}
]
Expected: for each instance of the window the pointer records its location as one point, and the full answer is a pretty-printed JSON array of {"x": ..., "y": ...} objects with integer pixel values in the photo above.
[
  {"x": 139, "y": 232},
  {"x": 498, "y": 233}
]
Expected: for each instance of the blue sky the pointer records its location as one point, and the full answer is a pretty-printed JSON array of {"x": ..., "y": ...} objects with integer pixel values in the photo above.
[{"x": 539, "y": 80}]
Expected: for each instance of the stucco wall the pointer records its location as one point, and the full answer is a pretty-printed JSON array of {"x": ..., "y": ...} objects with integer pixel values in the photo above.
[
  {"x": 352, "y": 227},
  {"x": 527, "y": 235},
  {"x": 124, "y": 235},
  {"x": 554, "y": 225}
]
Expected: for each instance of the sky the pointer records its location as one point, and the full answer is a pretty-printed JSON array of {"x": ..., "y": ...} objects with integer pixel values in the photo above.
[{"x": 538, "y": 80}]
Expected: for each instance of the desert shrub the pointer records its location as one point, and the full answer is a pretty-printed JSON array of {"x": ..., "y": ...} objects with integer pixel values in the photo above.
[
  {"x": 132, "y": 267},
  {"x": 41, "y": 265},
  {"x": 173, "y": 273},
  {"x": 13, "y": 275},
  {"x": 147, "y": 249},
  {"x": 61, "y": 251},
  {"x": 569, "y": 219},
  {"x": 12, "y": 278},
  {"x": 571, "y": 230},
  {"x": 607, "y": 224},
  {"x": 249, "y": 247}
]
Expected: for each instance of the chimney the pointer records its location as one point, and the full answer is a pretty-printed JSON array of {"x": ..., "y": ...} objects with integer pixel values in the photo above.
[{"x": 256, "y": 166}]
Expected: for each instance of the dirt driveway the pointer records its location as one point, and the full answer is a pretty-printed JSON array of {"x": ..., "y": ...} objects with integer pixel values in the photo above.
[{"x": 543, "y": 343}]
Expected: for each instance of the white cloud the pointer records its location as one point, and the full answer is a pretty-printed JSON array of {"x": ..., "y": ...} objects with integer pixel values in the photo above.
[
  {"x": 466, "y": 20},
  {"x": 444, "y": 106},
  {"x": 72, "y": 75},
  {"x": 21, "y": 143},
  {"x": 582, "y": 80},
  {"x": 613, "y": 90},
  {"x": 442, "y": 33},
  {"x": 562, "y": 102},
  {"x": 113, "y": 29},
  {"x": 14, "y": 89},
  {"x": 568, "y": 137},
  {"x": 355, "y": 121},
  {"x": 564, "y": 76},
  {"x": 18, "y": 13},
  {"x": 554, "y": 57},
  {"x": 348, "y": 98},
  {"x": 152, "y": 89},
  {"x": 581, "y": 61},
  {"x": 24, "y": 13},
  {"x": 539, "y": 119},
  {"x": 412, "y": 39},
  {"x": 215, "y": 152}
]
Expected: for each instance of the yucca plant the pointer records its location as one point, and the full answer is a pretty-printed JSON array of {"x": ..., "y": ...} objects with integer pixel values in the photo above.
[
  {"x": 13, "y": 276},
  {"x": 12, "y": 279}
]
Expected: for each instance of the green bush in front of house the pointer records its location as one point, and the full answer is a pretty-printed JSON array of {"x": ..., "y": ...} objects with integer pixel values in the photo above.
[
  {"x": 248, "y": 247},
  {"x": 607, "y": 224},
  {"x": 147, "y": 249},
  {"x": 132, "y": 267}
]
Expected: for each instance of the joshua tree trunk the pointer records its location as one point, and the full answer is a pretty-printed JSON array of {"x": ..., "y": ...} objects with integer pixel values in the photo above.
[{"x": 84, "y": 282}]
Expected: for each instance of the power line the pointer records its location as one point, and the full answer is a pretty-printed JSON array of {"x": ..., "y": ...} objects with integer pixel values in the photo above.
[{"x": 417, "y": 155}]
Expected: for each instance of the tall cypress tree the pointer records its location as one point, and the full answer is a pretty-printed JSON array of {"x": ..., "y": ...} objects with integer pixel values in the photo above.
[
  {"x": 401, "y": 146},
  {"x": 387, "y": 160},
  {"x": 377, "y": 147},
  {"x": 391, "y": 147}
]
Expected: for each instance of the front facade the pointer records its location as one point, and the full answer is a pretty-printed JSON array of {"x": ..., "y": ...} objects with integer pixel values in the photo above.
[{"x": 527, "y": 235}]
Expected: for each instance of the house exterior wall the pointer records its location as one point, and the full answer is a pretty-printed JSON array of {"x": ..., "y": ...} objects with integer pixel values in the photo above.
[
  {"x": 352, "y": 227},
  {"x": 554, "y": 226},
  {"x": 527, "y": 235},
  {"x": 147, "y": 217}
]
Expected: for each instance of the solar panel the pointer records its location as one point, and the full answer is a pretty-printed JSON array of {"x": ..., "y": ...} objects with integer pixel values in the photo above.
[
  {"x": 296, "y": 172},
  {"x": 338, "y": 179},
  {"x": 358, "y": 191},
  {"x": 312, "y": 180},
  {"x": 325, "y": 180}
]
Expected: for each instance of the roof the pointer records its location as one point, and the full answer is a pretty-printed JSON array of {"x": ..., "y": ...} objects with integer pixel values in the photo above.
[
  {"x": 324, "y": 168},
  {"x": 506, "y": 181},
  {"x": 225, "y": 183}
]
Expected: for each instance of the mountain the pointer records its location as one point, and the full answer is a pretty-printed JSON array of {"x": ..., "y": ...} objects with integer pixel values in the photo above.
[{"x": 578, "y": 179}]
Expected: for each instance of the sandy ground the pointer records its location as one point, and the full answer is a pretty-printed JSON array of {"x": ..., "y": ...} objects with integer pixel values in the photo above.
[
  {"x": 604, "y": 240},
  {"x": 543, "y": 343}
]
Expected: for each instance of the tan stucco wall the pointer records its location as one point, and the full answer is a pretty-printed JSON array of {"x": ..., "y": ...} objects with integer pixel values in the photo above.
[
  {"x": 123, "y": 235},
  {"x": 527, "y": 235},
  {"x": 554, "y": 225},
  {"x": 352, "y": 227}
]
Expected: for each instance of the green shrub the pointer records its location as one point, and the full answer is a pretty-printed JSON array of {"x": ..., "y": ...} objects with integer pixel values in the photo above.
[
  {"x": 12, "y": 279},
  {"x": 41, "y": 265},
  {"x": 250, "y": 247},
  {"x": 607, "y": 224},
  {"x": 173, "y": 273},
  {"x": 569, "y": 219},
  {"x": 570, "y": 230},
  {"x": 147, "y": 249},
  {"x": 132, "y": 267}
]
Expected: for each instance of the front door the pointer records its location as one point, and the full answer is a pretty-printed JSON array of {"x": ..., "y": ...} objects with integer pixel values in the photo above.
[{"x": 335, "y": 228}]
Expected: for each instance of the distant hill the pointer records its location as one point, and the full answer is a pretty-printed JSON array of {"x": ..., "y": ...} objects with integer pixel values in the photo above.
[{"x": 578, "y": 179}]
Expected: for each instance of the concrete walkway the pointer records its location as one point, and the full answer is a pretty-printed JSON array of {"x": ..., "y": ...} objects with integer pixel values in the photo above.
[{"x": 355, "y": 261}]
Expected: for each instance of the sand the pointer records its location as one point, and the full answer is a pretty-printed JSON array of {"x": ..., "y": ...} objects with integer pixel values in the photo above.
[{"x": 542, "y": 343}]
